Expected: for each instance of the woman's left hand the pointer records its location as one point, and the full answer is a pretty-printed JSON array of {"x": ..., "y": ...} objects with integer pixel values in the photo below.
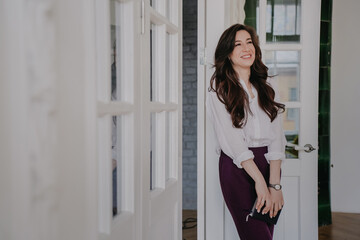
[{"x": 277, "y": 200}]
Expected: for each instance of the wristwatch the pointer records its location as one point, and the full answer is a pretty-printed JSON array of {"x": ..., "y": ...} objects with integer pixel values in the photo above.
[{"x": 277, "y": 187}]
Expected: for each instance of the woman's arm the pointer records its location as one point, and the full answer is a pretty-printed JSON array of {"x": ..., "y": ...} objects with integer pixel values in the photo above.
[
  {"x": 276, "y": 153},
  {"x": 277, "y": 198},
  {"x": 275, "y": 166},
  {"x": 263, "y": 194},
  {"x": 231, "y": 139}
]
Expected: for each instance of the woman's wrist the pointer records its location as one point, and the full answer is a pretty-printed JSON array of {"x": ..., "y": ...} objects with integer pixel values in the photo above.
[
  {"x": 275, "y": 169},
  {"x": 274, "y": 180}
]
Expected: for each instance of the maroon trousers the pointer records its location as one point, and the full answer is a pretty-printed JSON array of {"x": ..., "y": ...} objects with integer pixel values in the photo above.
[{"x": 239, "y": 193}]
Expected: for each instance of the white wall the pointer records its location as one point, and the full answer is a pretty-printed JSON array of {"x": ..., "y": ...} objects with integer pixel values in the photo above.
[
  {"x": 48, "y": 177},
  {"x": 345, "y": 110}
]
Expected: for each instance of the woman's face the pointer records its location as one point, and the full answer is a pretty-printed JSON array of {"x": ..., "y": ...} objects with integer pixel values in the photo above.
[{"x": 243, "y": 55}]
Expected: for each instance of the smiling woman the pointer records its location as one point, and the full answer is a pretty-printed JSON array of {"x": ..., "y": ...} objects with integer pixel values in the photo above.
[
  {"x": 296, "y": 63},
  {"x": 246, "y": 118}
]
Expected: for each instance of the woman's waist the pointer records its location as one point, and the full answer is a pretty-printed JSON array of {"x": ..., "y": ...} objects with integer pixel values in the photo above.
[
  {"x": 260, "y": 142},
  {"x": 261, "y": 150}
]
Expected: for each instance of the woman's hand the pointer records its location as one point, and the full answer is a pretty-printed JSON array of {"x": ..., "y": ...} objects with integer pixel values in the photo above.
[
  {"x": 262, "y": 191},
  {"x": 263, "y": 197},
  {"x": 277, "y": 201}
]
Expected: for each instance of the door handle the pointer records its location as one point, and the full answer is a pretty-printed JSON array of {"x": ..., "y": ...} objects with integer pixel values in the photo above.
[{"x": 307, "y": 147}]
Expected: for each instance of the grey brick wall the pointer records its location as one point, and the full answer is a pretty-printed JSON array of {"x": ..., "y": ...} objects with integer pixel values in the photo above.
[{"x": 189, "y": 103}]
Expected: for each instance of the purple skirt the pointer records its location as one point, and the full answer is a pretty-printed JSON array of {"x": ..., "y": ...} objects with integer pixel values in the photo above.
[{"x": 239, "y": 193}]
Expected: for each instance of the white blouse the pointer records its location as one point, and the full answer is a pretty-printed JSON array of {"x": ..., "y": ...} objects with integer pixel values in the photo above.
[{"x": 258, "y": 131}]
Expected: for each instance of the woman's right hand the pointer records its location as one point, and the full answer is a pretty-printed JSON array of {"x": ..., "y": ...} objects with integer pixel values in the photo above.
[
  {"x": 261, "y": 188},
  {"x": 263, "y": 196}
]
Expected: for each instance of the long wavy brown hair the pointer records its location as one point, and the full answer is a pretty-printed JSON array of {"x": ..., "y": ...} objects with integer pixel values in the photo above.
[{"x": 225, "y": 81}]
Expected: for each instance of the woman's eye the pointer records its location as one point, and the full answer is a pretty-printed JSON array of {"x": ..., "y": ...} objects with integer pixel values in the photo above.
[
  {"x": 237, "y": 44},
  {"x": 250, "y": 42}
]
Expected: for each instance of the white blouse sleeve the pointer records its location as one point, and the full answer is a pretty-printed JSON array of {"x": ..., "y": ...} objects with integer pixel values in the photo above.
[
  {"x": 231, "y": 139},
  {"x": 276, "y": 149}
]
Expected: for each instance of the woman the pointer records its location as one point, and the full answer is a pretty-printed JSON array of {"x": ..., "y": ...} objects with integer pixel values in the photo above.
[{"x": 246, "y": 118}]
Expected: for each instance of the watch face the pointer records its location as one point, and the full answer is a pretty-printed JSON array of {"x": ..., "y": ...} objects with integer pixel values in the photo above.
[{"x": 276, "y": 186}]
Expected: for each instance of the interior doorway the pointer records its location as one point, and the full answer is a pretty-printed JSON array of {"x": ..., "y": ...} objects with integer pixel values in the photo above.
[{"x": 189, "y": 119}]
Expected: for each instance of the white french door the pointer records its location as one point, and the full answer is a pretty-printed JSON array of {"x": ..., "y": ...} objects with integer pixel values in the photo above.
[
  {"x": 139, "y": 118},
  {"x": 289, "y": 37},
  {"x": 162, "y": 191},
  {"x": 294, "y": 57}
]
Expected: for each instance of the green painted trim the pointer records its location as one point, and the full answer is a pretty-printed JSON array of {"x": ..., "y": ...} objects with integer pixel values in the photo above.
[
  {"x": 250, "y": 13},
  {"x": 324, "y": 207}
]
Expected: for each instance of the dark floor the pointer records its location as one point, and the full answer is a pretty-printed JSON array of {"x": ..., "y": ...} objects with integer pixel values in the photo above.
[
  {"x": 189, "y": 225},
  {"x": 346, "y": 226}
]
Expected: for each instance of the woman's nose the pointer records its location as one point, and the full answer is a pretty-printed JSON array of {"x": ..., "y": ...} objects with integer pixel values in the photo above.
[{"x": 246, "y": 48}]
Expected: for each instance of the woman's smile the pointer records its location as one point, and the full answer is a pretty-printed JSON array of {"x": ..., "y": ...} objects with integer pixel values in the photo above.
[{"x": 246, "y": 56}]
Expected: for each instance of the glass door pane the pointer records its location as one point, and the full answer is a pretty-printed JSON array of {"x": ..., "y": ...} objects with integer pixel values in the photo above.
[
  {"x": 285, "y": 66},
  {"x": 115, "y": 44},
  {"x": 283, "y": 18},
  {"x": 116, "y": 162},
  {"x": 291, "y": 123}
]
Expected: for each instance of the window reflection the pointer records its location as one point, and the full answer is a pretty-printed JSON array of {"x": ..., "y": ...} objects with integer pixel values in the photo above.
[
  {"x": 291, "y": 122},
  {"x": 116, "y": 150},
  {"x": 113, "y": 65},
  {"x": 283, "y": 19},
  {"x": 114, "y": 187},
  {"x": 285, "y": 65},
  {"x": 115, "y": 50}
]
